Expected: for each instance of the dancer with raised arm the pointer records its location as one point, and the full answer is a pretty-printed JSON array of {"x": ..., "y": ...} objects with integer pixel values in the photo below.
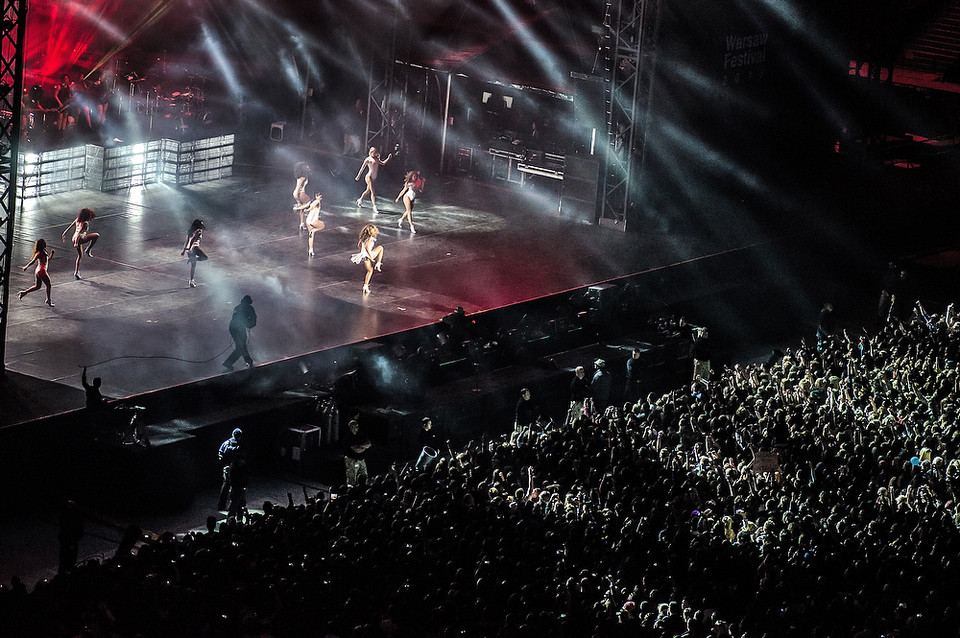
[
  {"x": 372, "y": 163},
  {"x": 192, "y": 249},
  {"x": 40, "y": 257},
  {"x": 301, "y": 172},
  {"x": 313, "y": 223},
  {"x": 413, "y": 184},
  {"x": 81, "y": 236},
  {"x": 370, "y": 255}
]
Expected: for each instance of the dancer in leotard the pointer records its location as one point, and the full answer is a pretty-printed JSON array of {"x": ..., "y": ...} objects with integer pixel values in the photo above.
[
  {"x": 412, "y": 185},
  {"x": 370, "y": 255},
  {"x": 81, "y": 236},
  {"x": 372, "y": 163},
  {"x": 40, "y": 257},
  {"x": 192, "y": 249},
  {"x": 313, "y": 223}
]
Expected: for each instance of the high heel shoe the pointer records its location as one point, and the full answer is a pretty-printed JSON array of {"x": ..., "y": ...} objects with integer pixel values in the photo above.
[
  {"x": 360, "y": 203},
  {"x": 21, "y": 294},
  {"x": 89, "y": 252},
  {"x": 49, "y": 303},
  {"x": 400, "y": 223},
  {"x": 413, "y": 231},
  {"x": 77, "y": 276},
  {"x": 310, "y": 254},
  {"x": 378, "y": 266},
  {"x": 366, "y": 289}
]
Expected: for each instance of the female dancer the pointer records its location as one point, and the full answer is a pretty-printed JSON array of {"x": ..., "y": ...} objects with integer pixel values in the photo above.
[
  {"x": 301, "y": 172},
  {"x": 193, "y": 250},
  {"x": 372, "y": 163},
  {"x": 81, "y": 236},
  {"x": 40, "y": 256},
  {"x": 313, "y": 217},
  {"x": 412, "y": 184},
  {"x": 370, "y": 255}
]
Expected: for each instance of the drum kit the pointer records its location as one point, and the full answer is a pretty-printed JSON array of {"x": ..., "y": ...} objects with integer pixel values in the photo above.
[{"x": 180, "y": 106}]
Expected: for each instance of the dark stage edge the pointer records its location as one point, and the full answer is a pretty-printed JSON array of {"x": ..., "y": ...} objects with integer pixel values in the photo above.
[{"x": 480, "y": 245}]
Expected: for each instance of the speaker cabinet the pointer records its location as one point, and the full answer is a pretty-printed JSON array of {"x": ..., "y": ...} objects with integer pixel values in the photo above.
[{"x": 579, "y": 200}]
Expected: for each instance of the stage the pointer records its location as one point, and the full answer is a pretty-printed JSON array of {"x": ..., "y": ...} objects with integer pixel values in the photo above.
[{"x": 481, "y": 244}]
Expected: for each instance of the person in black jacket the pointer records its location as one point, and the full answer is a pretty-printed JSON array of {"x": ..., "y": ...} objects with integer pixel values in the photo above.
[
  {"x": 244, "y": 318},
  {"x": 601, "y": 385},
  {"x": 227, "y": 454},
  {"x": 528, "y": 411},
  {"x": 579, "y": 393}
]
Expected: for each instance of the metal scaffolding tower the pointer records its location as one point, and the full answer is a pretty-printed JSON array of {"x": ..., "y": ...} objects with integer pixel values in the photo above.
[
  {"x": 12, "y": 29},
  {"x": 384, "y": 112},
  {"x": 631, "y": 29}
]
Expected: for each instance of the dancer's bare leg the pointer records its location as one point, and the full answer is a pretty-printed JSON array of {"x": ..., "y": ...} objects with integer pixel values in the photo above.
[
  {"x": 90, "y": 239},
  {"x": 36, "y": 286},
  {"x": 46, "y": 282},
  {"x": 366, "y": 278}
]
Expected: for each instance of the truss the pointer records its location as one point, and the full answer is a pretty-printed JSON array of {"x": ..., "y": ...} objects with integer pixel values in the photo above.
[
  {"x": 630, "y": 45},
  {"x": 12, "y": 29}
]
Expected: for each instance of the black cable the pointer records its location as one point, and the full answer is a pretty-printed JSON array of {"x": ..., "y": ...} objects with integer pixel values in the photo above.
[{"x": 159, "y": 356}]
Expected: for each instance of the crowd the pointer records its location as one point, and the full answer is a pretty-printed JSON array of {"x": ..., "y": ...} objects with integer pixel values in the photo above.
[{"x": 814, "y": 495}]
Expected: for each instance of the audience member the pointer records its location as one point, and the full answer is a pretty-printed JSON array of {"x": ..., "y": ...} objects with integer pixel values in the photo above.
[
  {"x": 632, "y": 390},
  {"x": 580, "y": 394},
  {"x": 702, "y": 354},
  {"x": 228, "y": 451},
  {"x": 355, "y": 447},
  {"x": 601, "y": 386}
]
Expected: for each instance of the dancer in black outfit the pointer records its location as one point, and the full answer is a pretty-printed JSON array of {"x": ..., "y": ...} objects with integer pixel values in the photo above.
[{"x": 192, "y": 249}]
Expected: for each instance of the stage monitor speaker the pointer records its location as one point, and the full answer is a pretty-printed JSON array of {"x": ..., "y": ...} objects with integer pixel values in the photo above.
[{"x": 579, "y": 200}]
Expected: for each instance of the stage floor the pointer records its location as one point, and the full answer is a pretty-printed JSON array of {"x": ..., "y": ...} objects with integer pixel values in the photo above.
[{"x": 133, "y": 321}]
